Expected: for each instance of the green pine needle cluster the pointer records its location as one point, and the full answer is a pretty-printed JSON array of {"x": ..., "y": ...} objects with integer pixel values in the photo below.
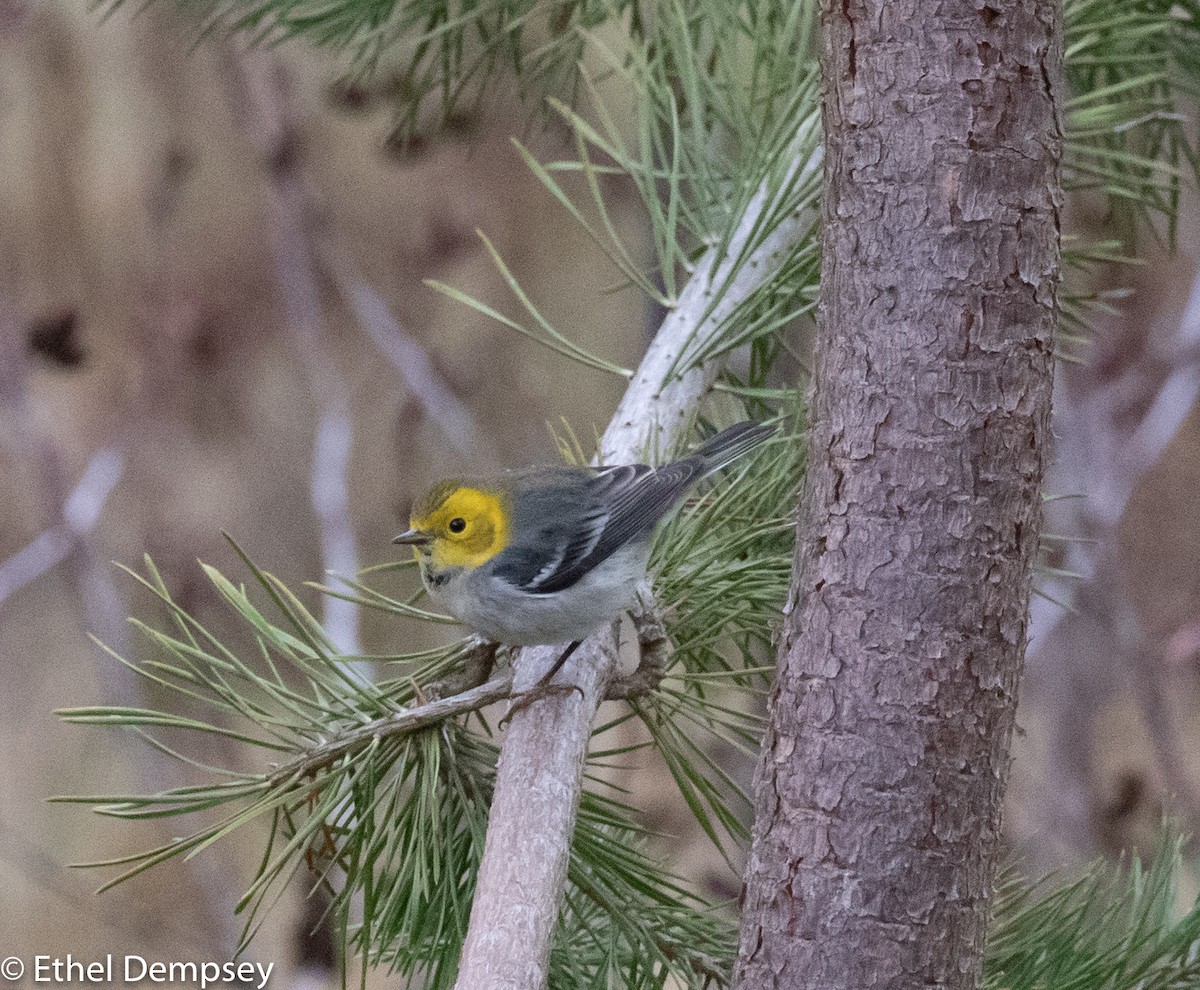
[
  {"x": 727, "y": 106},
  {"x": 723, "y": 567},
  {"x": 1132, "y": 75},
  {"x": 1114, "y": 928},
  {"x": 397, "y": 820},
  {"x": 1130, "y": 68}
]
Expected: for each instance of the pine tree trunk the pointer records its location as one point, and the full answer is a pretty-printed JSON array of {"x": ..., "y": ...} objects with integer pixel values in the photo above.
[{"x": 884, "y": 764}]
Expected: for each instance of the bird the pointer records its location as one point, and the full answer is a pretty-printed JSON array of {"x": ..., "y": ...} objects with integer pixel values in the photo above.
[{"x": 549, "y": 554}]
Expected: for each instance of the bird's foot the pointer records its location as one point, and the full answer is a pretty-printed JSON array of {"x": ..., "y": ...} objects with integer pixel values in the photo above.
[{"x": 543, "y": 688}]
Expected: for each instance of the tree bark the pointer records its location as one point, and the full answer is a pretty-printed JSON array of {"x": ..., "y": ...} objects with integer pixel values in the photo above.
[{"x": 887, "y": 751}]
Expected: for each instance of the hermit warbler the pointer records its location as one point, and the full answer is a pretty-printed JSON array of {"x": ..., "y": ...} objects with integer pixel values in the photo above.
[{"x": 550, "y": 554}]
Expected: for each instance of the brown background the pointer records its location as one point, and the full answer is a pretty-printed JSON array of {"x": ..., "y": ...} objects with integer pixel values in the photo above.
[{"x": 165, "y": 212}]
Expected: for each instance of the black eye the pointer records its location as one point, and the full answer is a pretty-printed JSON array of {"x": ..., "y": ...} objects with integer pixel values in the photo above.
[{"x": 457, "y": 524}]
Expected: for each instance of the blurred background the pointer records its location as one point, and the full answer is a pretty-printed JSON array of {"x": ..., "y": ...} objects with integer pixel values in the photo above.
[{"x": 213, "y": 317}]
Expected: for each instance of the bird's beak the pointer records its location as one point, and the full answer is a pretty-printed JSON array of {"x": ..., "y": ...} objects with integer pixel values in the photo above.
[{"x": 413, "y": 537}]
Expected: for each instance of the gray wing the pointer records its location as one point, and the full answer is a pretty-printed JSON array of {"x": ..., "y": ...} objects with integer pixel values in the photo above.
[
  {"x": 622, "y": 504},
  {"x": 576, "y": 519}
]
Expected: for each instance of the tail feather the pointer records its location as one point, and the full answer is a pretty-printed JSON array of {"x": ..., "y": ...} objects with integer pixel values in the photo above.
[{"x": 731, "y": 443}]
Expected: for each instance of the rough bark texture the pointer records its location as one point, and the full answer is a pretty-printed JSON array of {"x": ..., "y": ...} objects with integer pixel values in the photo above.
[{"x": 883, "y": 768}]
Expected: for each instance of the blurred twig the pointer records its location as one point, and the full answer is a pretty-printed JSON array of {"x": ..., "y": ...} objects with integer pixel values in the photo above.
[
  {"x": 80, "y": 513},
  {"x": 261, "y": 99},
  {"x": 1110, "y": 430},
  {"x": 408, "y": 358}
]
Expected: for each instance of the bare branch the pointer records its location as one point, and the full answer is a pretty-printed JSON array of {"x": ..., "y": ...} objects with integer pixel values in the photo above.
[
  {"x": 471, "y": 690},
  {"x": 654, "y": 650},
  {"x": 398, "y": 724},
  {"x": 539, "y": 777}
]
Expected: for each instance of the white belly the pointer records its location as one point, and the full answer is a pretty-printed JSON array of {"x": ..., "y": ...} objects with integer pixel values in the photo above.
[{"x": 493, "y": 608}]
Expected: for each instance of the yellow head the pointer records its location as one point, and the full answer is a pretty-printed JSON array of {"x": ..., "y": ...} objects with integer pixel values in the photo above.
[{"x": 458, "y": 526}]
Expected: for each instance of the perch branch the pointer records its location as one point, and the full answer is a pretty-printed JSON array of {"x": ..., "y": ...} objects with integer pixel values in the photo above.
[
  {"x": 539, "y": 776},
  {"x": 470, "y": 690}
]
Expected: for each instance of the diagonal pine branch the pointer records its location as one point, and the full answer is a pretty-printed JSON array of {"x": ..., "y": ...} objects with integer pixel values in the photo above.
[{"x": 539, "y": 775}]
